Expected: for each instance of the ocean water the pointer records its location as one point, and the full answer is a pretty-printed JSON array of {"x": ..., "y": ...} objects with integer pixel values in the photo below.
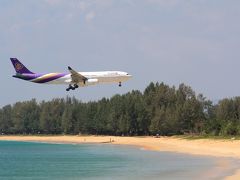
[{"x": 29, "y": 160}]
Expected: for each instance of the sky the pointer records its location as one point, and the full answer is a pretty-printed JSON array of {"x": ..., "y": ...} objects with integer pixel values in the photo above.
[{"x": 196, "y": 42}]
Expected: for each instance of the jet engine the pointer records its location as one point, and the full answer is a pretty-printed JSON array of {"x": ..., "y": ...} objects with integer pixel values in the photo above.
[{"x": 91, "y": 81}]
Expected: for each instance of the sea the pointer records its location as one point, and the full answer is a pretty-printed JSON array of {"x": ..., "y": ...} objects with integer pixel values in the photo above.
[{"x": 34, "y": 160}]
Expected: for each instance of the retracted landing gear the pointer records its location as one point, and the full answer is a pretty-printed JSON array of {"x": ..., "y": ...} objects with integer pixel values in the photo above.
[
  {"x": 120, "y": 84},
  {"x": 70, "y": 87}
]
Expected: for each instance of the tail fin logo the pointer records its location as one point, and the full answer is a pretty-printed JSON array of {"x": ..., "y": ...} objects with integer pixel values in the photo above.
[{"x": 18, "y": 66}]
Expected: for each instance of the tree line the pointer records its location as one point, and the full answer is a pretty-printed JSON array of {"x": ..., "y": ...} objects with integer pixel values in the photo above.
[{"x": 160, "y": 109}]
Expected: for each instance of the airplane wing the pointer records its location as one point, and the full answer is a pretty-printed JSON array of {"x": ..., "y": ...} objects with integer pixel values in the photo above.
[{"x": 76, "y": 77}]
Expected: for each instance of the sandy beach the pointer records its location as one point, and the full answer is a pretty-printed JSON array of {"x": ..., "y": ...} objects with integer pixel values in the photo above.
[{"x": 209, "y": 147}]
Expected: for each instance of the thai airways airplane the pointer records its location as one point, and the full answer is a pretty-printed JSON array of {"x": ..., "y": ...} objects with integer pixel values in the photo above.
[{"x": 73, "y": 79}]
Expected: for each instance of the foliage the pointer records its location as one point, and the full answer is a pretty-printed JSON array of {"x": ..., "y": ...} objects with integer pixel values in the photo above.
[{"x": 160, "y": 109}]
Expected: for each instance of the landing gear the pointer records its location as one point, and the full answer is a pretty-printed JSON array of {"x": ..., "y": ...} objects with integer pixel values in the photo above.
[
  {"x": 75, "y": 86},
  {"x": 120, "y": 84},
  {"x": 70, "y": 87}
]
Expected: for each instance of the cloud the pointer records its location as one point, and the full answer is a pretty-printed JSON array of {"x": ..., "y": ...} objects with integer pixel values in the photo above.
[
  {"x": 166, "y": 4},
  {"x": 90, "y": 16},
  {"x": 83, "y": 5},
  {"x": 53, "y": 2}
]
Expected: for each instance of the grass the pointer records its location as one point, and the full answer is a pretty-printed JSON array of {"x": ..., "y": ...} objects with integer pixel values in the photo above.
[
  {"x": 187, "y": 137},
  {"x": 196, "y": 137}
]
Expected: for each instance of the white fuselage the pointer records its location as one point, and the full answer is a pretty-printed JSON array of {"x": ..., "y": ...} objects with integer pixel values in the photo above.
[{"x": 95, "y": 78}]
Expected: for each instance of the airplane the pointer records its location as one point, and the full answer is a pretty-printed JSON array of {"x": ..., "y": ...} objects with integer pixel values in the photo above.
[{"x": 73, "y": 79}]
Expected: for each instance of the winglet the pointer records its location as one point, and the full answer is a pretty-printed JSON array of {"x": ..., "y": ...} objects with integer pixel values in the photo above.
[{"x": 69, "y": 68}]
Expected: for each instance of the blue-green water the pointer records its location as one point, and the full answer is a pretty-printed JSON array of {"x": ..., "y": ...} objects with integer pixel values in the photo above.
[{"x": 28, "y": 160}]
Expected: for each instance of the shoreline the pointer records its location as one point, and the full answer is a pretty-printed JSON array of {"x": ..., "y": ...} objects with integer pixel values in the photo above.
[{"x": 206, "y": 147}]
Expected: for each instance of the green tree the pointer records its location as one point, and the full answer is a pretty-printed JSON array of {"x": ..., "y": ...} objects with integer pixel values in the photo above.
[
  {"x": 6, "y": 119},
  {"x": 67, "y": 121}
]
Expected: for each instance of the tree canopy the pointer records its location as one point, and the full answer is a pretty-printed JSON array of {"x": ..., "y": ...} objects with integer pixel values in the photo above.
[{"x": 160, "y": 109}]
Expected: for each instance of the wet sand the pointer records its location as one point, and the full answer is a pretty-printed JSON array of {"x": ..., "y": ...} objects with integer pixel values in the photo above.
[{"x": 210, "y": 147}]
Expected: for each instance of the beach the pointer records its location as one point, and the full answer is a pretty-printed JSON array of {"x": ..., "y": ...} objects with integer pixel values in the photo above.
[{"x": 206, "y": 147}]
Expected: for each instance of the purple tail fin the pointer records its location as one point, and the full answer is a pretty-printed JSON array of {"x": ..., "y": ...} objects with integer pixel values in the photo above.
[{"x": 19, "y": 67}]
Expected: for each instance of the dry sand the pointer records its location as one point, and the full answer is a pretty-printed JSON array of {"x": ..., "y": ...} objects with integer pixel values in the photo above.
[{"x": 218, "y": 148}]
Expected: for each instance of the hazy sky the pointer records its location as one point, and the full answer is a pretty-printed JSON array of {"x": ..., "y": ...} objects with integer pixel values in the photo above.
[{"x": 196, "y": 42}]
